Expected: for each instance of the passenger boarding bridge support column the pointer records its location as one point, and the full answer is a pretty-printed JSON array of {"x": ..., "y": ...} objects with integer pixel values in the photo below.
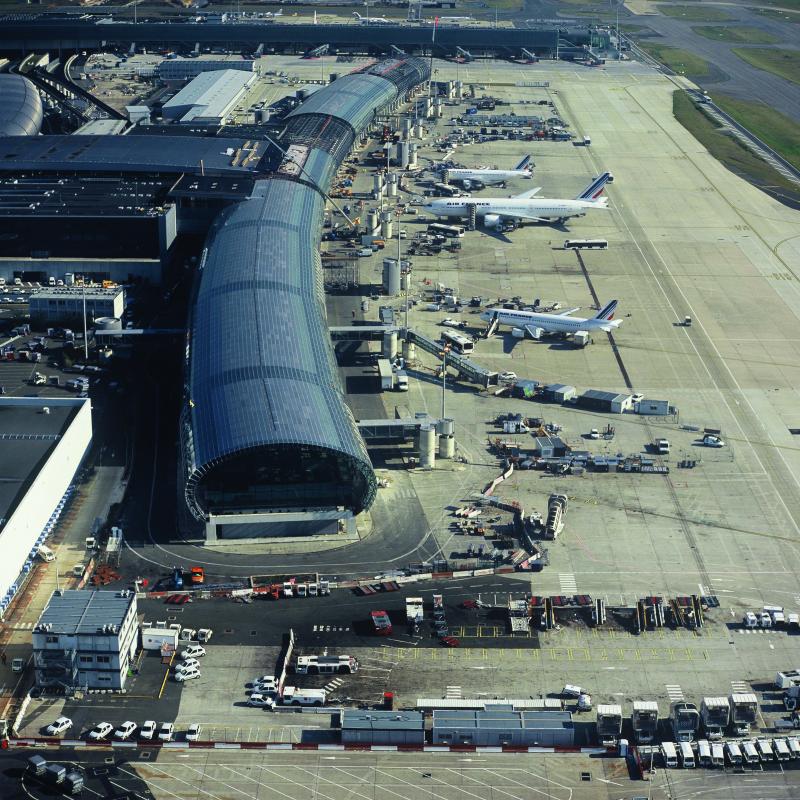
[{"x": 472, "y": 212}]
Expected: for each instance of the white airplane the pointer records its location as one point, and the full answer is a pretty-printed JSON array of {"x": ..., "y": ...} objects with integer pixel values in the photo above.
[
  {"x": 373, "y": 20},
  {"x": 536, "y": 325},
  {"x": 479, "y": 177},
  {"x": 273, "y": 15},
  {"x": 496, "y": 211}
]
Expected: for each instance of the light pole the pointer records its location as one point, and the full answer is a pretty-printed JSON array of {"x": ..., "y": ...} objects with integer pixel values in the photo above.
[
  {"x": 85, "y": 336},
  {"x": 444, "y": 353}
]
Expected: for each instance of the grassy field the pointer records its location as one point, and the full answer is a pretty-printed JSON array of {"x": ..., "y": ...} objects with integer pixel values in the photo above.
[
  {"x": 681, "y": 61},
  {"x": 784, "y": 63},
  {"x": 695, "y": 13},
  {"x": 783, "y": 16},
  {"x": 742, "y": 34},
  {"x": 778, "y": 131},
  {"x": 727, "y": 150},
  {"x": 794, "y": 4}
]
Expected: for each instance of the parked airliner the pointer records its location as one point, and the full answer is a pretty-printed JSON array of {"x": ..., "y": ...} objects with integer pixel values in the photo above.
[
  {"x": 536, "y": 324},
  {"x": 477, "y": 178},
  {"x": 497, "y": 211}
]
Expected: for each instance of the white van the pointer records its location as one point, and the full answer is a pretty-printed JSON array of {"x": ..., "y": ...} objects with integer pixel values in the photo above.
[
  {"x": 570, "y": 690},
  {"x": 781, "y": 749},
  {"x": 734, "y": 753},
  {"x": 670, "y": 755},
  {"x": 45, "y": 553},
  {"x": 750, "y": 753},
  {"x": 765, "y": 751},
  {"x": 687, "y": 755},
  {"x": 704, "y": 753},
  {"x": 717, "y": 754}
]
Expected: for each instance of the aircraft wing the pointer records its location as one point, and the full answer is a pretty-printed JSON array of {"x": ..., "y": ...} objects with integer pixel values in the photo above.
[
  {"x": 567, "y": 312},
  {"x": 527, "y": 195}
]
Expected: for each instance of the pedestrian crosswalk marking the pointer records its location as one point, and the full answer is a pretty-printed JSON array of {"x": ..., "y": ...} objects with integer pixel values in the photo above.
[{"x": 674, "y": 692}]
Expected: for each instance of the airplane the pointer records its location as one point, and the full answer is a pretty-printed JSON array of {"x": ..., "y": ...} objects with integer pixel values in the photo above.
[
  {"x": 497, "y": 212},
  {"x": 373, "y": 20},
  {"x": 536, "y": 324},
  {"x": 479, "y": 177}
]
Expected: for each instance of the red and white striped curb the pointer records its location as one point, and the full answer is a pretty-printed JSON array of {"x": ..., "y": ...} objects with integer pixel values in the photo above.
[{"x": 287, "y": 746}]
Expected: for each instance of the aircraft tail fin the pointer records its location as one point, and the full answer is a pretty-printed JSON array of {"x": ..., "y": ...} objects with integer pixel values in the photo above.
[
  {"x": 525, "y": 163},
  {"x": 607, "y": 312},
  {"x": 593, "y": 191}
]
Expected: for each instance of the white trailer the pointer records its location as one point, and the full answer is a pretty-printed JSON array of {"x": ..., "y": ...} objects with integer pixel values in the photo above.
[
  {"x": 644, "y": 720},
  {"x": 715, "y": 714},
  {"x": 609, "y": 724},
  {"x": 744, "y": 708},
  {"x": 158, "y": 638}
]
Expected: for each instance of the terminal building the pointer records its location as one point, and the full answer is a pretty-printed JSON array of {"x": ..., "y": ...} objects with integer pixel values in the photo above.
[
  {"x": 85, "y": 640},
  {"x": 43, "y": 444}
]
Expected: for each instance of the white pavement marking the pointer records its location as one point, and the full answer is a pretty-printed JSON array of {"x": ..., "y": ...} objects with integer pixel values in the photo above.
[
  {"x": 674, "y": 692},
  {"x": 567, "y": 582},
  {"x": 739, "y": 687}
]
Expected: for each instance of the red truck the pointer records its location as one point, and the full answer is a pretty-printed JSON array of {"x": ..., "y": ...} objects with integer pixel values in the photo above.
[{"x": 381, "y": 623}]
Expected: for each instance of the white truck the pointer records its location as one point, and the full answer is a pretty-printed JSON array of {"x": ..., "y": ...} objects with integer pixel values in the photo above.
[
  {"x": 414, "y": 610},
  {"x": 292, "y": 696}
]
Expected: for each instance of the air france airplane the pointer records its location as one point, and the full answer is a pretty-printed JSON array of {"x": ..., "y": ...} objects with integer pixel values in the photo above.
[
  {"x": 536, "y": 325},
  {"x": 476, "y": 178},
  {"x": 496, "y": 211}
]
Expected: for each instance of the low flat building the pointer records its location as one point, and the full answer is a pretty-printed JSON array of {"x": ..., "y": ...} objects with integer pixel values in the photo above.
[
  {"x": 382, "y": 727},
  {"x": 209, "y": 98},
  {"x": 85, "y": 640},
  {"x": 40, "y": 452},
  {"x": 65, "y": 304},
  {"x": 654, "y": 408},
  {"x": 183, "y": 69},
  {"x": 495, "y": 727},
  {"x": 558, "y": 392},
  {"x": 607, "y": 402},
  {"x": 549, "y": 447}
]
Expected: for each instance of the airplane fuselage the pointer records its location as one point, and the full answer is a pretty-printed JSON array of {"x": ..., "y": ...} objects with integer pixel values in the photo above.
[
  {"x": 488, "y": 177},
  {"x": 511, "y": 208},
  {"x": 549, "y": 323}
]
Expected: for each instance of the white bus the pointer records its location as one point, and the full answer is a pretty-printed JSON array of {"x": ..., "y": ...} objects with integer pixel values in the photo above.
[
  {"x": 670, "y": 755},
  {"x": 450, "y": 231},
  {"x": 459, "y": 342},
  {"x": 687, "y": 755},
  {"x": 326, "y": 665},
  {"x": 586, "y": 244}
]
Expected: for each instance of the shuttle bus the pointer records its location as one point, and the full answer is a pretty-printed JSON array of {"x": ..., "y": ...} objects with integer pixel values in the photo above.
[
  {"x": 586, "y": 244},
  {"x": 687, "y": 755},
  {"x": 670, "y": 755},
  {"x": 450, "y": 231},
  {"x": 459, "y": 342},
  {"x": 325, "y": 665}
]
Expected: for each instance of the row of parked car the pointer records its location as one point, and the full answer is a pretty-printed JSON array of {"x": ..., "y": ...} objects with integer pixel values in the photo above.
[{"x": 104, "y": 731}]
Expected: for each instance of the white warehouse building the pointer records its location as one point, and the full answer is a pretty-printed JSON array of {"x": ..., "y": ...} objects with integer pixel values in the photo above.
[
  {"x": 209, "y": 98},
  {"x": 43, "y": 444}
]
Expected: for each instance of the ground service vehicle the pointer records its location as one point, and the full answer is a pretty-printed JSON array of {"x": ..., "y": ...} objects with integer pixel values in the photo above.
[
  {"x": 292, "y": 696},
  {"x": 687, "y": 755},
  {"x": 381, "y": 623},
  {"x": 585, "y": 244},
  {"x": 458, "y": 341},
  {"x": 325, "y": 665},
  {"x": 166, "y": 731},
  {"x": 670, "y": 755},
  {"x": 450, "y": 231}
]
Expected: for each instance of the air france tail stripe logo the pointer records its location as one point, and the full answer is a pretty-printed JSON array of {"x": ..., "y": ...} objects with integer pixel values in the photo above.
[
  {"x": 524, "y": 163},
  {"x": 608, "y": 311},
  {"x": 596, "y": 189}
]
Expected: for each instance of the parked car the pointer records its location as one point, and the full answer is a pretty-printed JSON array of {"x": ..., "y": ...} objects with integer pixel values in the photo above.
[
  {"x": 125, "y": 730},
  {"x": 713, "y": 441},
  {"x": 61, "y": 725},
  {"x": 166, "y": 731},
  {"x": 507, "y": 377},
  {"x": 187, "y": 674},
  {"x": 101, "y": 731},
  {"x": 193, "y": 734},
  {"x": 193, "y": 651},
  {"x": 190, "y": 663},
  {"x": 147, "y": 731}
]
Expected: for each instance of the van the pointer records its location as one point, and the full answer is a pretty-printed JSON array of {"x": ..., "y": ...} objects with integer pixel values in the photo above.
[
  {"x": 570, "y": 690},
  {"x": 734, "y": 753},
  {"x": 749, "y": 753},
  {"x": 781, "y": 749},
  {"x": 687, "y": 755},
  {"x": 704, "y": 753},
  {"x": 364, "y": 252},
  {"x": 670, "y": 755},
  {"x": 717, "y": 754},
  {"x": 45, "y": 553}
]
